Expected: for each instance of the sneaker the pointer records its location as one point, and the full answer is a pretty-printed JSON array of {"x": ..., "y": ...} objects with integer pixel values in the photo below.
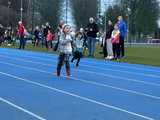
[
  {"x": 124, "y": 57},
  {"x": 68, "y": 77},
  {"x": 55, "y": 73},
  {"x": 107, "y": 58},
  {"x": 111, "y": 57}
]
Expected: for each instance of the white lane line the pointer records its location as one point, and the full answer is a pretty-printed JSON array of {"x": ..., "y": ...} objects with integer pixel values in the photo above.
[
  {"x": 77, "y": 96},
  {"x": 88, "y": 82},
  {"x": 108, "y": 64},
  {"x": 95, "y": 66},
  {"x": 21, "y": 108},
  {"x": 106, "y": 75}
]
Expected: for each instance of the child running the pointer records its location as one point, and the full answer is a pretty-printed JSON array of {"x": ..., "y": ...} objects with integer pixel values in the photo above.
[
  {"x": 65, "y": 50},
  {"x": 78, "y": 49}
]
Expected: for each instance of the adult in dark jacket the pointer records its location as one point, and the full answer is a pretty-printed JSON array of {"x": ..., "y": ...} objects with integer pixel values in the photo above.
[
  {"x": 92, "y": 30},
  {"x": 45, "y": 32},
  {"x": 2, "y": 31},
  {"x": 123, "y": 31},
  {"x": 36, "y": 36}
]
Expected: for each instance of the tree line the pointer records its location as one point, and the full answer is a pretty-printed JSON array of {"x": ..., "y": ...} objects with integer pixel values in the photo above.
[{"x": 141, "y": 15}]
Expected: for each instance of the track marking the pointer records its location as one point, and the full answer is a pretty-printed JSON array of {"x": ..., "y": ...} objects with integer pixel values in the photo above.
[
  {"x": 88, "y": 82},
  {"x": 21, "y": 108},
  {"x": 102, "y": 74},
  {"x": 77, "y": 96}
]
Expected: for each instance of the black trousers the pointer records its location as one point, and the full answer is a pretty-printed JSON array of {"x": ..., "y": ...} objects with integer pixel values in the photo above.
[
  {"x": 116, "y": 50},
  {"x": 63, "y": 59},
  {"x": 122, "y": 51},
  {"x": 105, "y": 53},
  {"x": 77, "y": 55}
]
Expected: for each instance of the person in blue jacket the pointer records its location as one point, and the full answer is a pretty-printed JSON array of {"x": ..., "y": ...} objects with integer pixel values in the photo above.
[{"x": 123, "y": 31}]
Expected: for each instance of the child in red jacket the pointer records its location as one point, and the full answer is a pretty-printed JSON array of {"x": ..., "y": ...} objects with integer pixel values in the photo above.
[
  {"x": 115, "y": 41},
  {"x": 50, "y": 38}
]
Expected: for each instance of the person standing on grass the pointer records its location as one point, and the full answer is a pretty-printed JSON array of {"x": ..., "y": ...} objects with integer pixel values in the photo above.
[
  {"x": 59, "y": 32},
  {"x": 123, "y": 31},
  {"x": 92, "y": 30},
  {"x": 45, "y": 32},
  {"x": 78, "y": 48},
  {"x": 115, "y": 38},
  {"x": 108, "y": 41},
  {"x": 65, "y": 50},
  {"x": 36, "y": 36},
  {"x": 59, "y": 28},
  {"x": 21, "y": 34},
  {"x": 2, "y": 31},
  {"x": 50, "y": 38}
]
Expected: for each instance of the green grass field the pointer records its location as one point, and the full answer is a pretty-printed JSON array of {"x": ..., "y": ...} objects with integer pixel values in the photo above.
[{"x": 138, "y": 55}]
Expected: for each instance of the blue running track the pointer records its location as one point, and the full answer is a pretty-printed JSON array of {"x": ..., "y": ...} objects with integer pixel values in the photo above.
[{"x": 97, "y": 90}]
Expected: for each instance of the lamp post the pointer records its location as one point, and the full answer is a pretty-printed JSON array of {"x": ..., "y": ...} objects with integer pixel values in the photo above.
[
  {"x": 128, "y": 15},
  {"x": 106, "y": 5},
  {"x": 9, "y": 4},
  {"x": 21, "y": 10},
  {"x": 66, "y": 11},
  {"x": 105, "y": 16},
  {"x": 33, "y": 11}
]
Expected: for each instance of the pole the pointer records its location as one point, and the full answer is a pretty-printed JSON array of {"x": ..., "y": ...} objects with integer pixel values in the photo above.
[
  {"x": 32, "y": 15},
  {"x": 9, "y": 4},
  {"x": 66, "y": 11},
  {"x": 21, "y": 10},
  {"x": 129, "y": 12},
  {"x": 105, "y": 17}
]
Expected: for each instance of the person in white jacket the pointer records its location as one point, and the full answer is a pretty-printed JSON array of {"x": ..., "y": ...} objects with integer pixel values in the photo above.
[{"x": 65, "y": 50}]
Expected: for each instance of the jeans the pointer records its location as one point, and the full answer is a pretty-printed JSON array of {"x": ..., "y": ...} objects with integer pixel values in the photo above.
[
  {"x": 22, "y": 42},
  {"x": 91, "y": 45}
]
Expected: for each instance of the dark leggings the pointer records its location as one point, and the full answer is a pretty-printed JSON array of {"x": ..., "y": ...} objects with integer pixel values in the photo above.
[
  {"x": 116, "y": 50},
  {"x": 78, "y": 60},
  {"x": 63, "y": 59},
  {"x": 105, "y": 53},
  {"x": 77, "y": 55}
]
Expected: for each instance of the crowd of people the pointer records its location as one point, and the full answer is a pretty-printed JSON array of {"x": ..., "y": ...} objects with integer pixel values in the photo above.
[{"x": 69, "y": 42}]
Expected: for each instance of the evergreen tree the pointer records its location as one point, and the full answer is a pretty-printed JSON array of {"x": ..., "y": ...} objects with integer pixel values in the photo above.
[
  {"x": 143, "y": 16},
  {"x": 83, "y": 10}
]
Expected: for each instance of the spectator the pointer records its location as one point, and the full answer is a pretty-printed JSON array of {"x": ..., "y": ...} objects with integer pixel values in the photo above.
[
  {"x": 59, "y": 32},
  {"x": 123, "y": 30},
  {"x": 116, "y": 40},
  {"x": 36, "y": 36},
  {"x": 50, "y": 38},
  {"x": 2, "y": 32},
  {"x": 21, "y": 35},
  {"x": 45, "y": 32},
  {"x": 92, "y": 30},
  {"x": 108, "y": 42}
]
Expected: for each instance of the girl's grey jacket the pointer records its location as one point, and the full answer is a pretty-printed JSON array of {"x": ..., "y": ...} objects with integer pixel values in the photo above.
[
  {"x": 79, "y": 42},
  {"x": 65, "y": 45}
]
